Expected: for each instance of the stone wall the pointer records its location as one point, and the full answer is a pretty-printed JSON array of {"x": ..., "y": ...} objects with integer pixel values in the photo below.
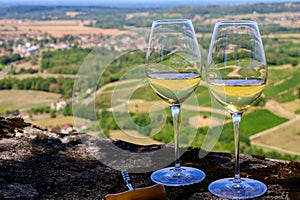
[{"x": 36, "y": 164}]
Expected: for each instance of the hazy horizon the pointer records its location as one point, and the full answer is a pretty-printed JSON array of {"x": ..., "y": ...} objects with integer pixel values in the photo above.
[{"x": 134, "y": 3}]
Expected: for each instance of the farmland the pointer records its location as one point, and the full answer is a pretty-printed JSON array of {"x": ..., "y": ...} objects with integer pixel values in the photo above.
[
  {"x": 42, "y": 51},
  {"x": 18, "y": 99},
  {"x": 59, "y": 121},
  {"x": 284, "y": 138},
  {"x": 55, "y": 28}
]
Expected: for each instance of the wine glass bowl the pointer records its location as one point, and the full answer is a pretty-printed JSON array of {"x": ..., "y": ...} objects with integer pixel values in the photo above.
[
  {"x": 236, "y": 73},
  {"x": 173, "y": 70}
]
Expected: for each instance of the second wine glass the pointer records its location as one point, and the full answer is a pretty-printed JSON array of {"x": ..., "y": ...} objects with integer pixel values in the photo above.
[
  {"x": 173, "y": 69},
  {"x": 236, "y": 74}
]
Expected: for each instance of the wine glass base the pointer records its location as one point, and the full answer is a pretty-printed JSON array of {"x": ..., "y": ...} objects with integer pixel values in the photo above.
[
  {"x": 186, "y": 176},
  {"x": 247, "y": 188}
]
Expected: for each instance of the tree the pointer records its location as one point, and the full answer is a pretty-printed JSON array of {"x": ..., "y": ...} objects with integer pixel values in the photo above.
[
  {"x": 294, "y": 62},
  {"x": 53, "y": 87},
  {"x": 67, "y": 110},
  {"x": 53, "y": 114}
]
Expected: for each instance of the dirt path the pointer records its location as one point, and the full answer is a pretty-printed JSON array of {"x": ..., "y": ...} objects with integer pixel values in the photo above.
[
  {"x": 101, "y": 90},
  {"x": 5, "y": 71},
  {"x": 275, "y": 107},
  {"x": 275, "y": 148}
]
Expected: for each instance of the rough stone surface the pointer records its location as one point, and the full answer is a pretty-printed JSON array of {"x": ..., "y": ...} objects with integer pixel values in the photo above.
[{"x": 35, "y": 164}]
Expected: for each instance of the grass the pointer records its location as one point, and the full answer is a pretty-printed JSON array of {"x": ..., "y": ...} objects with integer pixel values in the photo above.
[
  {"x": 259, "y": 120},
  {"x": 190, "y": 113},
  {"x": 122, "y": 86},
  {"x": 103, "y": 100},
  {"x": 283, "y": 84},
  {"x": 59, "y": 121},
  {"x": 132, "y": 136},
  {"x": 292, "y": 106},
  {"x": 254, "y": 122},
  {"x": 145, "y": 93},
  {"x": 285, "y": 137},
  {"x": 203, "y": 96},
  {"x": 43, "y": 75},
  {"x": 18, "y": 99},
  {"x": 27, "y": 65}
]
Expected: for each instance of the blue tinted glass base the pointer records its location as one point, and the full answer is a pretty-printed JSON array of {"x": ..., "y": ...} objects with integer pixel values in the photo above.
[
  {"x": 170, "y": 177},
  {"x": 247, "y": 188}
]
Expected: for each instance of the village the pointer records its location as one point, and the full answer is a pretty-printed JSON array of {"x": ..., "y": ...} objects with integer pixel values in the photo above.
[{"x": 22, "y": 46}]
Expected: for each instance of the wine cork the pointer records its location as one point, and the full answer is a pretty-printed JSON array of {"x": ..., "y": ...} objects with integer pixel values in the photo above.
[{"x": 155, "y": 192}]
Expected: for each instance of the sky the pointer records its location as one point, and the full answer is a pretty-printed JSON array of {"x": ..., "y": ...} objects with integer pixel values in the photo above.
[{"x": 133, "y": 3}]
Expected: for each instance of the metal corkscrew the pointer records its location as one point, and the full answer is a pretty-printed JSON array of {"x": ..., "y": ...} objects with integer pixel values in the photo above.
[{"x": 126, "y": 178}]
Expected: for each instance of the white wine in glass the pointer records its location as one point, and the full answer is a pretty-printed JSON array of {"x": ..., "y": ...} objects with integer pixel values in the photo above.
[
  {"x": 174, "y": 87},
  {"x": 173, "y": 69},
  {"x": 236, "y": 73}
]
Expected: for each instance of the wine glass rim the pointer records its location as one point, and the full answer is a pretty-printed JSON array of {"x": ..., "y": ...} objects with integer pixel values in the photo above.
[
  {"x": 168, "y": 21},
  {"x": 237, "y": 21}
]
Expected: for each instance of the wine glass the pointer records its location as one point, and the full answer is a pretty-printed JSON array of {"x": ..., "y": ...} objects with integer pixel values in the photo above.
[
  {"x": 173, "y": 69},
  {"x": 236, "y": 73}
]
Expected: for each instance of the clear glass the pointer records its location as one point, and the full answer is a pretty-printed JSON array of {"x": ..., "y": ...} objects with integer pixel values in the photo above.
[
  {"x": 236, "y": 73},
  {"x": 173, "y": 69}
]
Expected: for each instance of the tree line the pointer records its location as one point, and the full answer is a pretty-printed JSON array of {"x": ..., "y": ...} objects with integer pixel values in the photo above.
[
  {"x": 64, "y": 61},
  {"x": 8, "y": 59},
  {"x": 58, "y": 85}
]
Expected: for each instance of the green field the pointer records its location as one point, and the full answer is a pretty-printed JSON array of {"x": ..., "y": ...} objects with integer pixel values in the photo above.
[
  {"x": 283, "y": 84},
  {"x": 254, "y": 122},
  {"x": 21, "y": 99},
  {"x": 122, "y": 86},
  {"x": 59, "y": 121}
]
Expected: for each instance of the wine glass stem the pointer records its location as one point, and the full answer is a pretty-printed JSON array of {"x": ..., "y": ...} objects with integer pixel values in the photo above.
[
  {"x": 175, "y": 109},
  {"x": 236, "y": 119}
]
